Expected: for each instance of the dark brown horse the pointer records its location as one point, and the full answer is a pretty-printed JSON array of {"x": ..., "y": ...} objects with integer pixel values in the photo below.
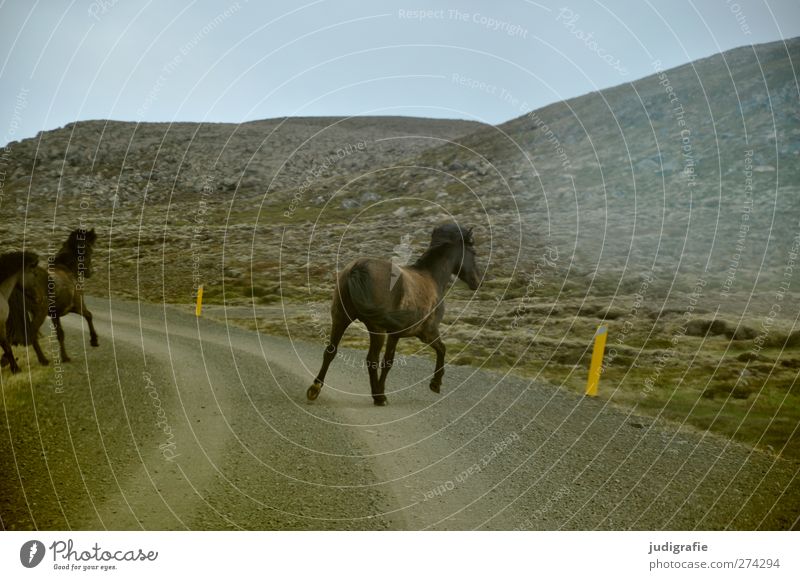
[
  {"x": 404, "y": 303},
  {"x": 28, "y": 311},
  {"x": 15, "y": 269},
  {"x": 55, "y": 292}
]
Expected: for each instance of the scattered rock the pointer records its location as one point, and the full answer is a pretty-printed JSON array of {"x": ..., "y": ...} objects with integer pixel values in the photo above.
[
  {"x": 370, "y": 197},
  {"x": 793, "y": 339},
  {"x": 349, "y": 203},
  {"x": 703, "y": 327},
  {"x": 744, "y": 333}
]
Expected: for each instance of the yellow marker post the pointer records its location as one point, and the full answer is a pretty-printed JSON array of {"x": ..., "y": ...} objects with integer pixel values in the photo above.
[
  {"x": 597, "y": 361},
  {"x": 198, "y": 310}
]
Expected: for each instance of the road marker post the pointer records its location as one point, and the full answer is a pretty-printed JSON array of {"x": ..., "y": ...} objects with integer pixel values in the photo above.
[
  {"x": 597, "y": 361},
  {"x": 198, "y": 309}
]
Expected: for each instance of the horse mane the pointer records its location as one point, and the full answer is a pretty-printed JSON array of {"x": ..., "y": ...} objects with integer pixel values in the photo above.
[
  {"x": 13, "y": 262},
  {"x": 67, "y": 256},
  {"x": 443, "y": 238}
]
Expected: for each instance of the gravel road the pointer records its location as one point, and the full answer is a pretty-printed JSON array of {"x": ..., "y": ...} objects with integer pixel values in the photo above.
[{"x": 176, "y": 422}]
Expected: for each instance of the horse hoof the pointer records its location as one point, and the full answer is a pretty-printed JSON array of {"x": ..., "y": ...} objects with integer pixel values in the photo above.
[
  {"x": 44, "y": 362},
  {"x": 380, "y": 401},
  {"x": 94, "y": 343},
  {"x": 435, "y": 387},
  {"x": 313, "y": 391}
]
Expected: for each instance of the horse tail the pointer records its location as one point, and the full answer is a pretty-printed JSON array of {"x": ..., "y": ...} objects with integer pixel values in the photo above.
[
  {"x": 359, "y": 286},
  {"x": 19, "y": 318}
]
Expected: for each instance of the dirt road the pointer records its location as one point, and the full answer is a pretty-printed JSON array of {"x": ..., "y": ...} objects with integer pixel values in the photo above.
[{"x": 180, "y": 423}]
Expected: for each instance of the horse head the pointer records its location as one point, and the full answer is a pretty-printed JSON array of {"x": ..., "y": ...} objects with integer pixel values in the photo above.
[
  {"x": 462, "y": 240},
  {"x": 76, "y": 253}
]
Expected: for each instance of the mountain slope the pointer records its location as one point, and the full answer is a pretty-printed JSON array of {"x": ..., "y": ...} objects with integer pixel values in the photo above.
[{"x": 180, "y": 159}]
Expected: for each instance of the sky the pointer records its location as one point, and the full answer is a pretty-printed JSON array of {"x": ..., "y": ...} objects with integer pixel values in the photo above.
[{"x": 237, "y": 61}]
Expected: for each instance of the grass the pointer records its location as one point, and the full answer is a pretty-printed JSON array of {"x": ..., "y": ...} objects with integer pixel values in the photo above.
[{"x": 32, "y": 377}]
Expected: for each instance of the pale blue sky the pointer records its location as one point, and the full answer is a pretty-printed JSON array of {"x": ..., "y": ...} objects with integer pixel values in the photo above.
[{"x": 245, "y": 60}]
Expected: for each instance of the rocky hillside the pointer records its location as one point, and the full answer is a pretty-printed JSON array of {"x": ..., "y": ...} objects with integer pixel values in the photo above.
[{"x": 155, "y": 162}]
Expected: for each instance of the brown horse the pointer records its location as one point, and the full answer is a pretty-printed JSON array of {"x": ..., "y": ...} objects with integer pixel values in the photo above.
[
  {"x": 404, "y": 302},
  {"x": 28, "y": 311},
  {"x": 15, "y": 268},
  {"x": 55, "y": 292}
]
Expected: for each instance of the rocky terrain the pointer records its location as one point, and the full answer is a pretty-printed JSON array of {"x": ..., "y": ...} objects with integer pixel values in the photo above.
[{"x": 666, "y": 208}]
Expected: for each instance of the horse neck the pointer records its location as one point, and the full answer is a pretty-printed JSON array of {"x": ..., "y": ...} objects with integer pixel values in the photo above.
[
  {"x": 440, "y": 269},
  {"x": 7, "y": 285},
  {"x": 67, "y": 261}
]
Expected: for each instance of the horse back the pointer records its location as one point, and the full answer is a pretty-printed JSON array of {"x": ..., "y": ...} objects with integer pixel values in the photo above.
[
  {"x": 376, "y": 275},
  {"x": 391, "y": 289}
]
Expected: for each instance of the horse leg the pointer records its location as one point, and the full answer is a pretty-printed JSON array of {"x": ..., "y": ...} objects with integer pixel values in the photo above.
[
  {"x": 88, "y": 316},
  {"x": 9, "y": 355},
  {"x": 437, "y": 345},
  {"x": 376, "y": 339},
  {"x": 388, "y": 361},
  {"x": 339, "y": 325},
  {"x": 60, "y": 334},
  {"x": 39, "y": 354}
]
